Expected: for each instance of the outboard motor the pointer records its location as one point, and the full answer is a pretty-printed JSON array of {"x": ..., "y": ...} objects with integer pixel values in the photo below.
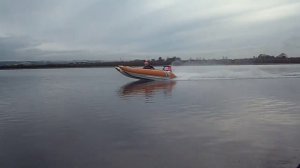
[{"x": 167, "y": 68}]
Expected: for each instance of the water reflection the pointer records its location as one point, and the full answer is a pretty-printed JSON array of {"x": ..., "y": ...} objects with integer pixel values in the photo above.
[{"x": 147, "y": 88}]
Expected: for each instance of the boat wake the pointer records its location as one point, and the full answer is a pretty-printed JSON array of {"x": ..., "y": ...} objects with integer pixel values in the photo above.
[{"x": 237, "y": 72}]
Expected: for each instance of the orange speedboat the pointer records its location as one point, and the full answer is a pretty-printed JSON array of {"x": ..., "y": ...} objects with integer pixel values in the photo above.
[{"x": 147, "y": 74}]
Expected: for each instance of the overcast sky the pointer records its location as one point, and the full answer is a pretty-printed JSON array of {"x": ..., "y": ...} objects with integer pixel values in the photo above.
[{"x": 143, "y": 29}]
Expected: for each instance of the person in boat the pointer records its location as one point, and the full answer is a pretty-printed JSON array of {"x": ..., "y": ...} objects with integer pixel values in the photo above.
[{"x": 147, "y": 65}]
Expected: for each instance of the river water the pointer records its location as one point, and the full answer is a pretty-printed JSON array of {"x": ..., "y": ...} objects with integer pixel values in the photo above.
[{"x": 209, "y": 117}]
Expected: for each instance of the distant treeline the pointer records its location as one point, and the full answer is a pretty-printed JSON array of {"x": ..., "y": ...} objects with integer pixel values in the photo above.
[{"x": 261, "y": 59}]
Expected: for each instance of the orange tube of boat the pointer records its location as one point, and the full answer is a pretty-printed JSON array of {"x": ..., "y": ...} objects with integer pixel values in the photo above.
[{"x": 154, "y": 72}]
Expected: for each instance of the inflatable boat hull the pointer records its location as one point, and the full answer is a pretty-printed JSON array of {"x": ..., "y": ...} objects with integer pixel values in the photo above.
[{"x": 146, "y": 74}]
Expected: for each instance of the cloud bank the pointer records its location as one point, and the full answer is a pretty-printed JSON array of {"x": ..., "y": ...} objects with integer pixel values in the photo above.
[{"x": 130, "y": 29}]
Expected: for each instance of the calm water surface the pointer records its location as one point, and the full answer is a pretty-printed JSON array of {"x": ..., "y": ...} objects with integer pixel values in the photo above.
[{"x": 210, "y": 117}]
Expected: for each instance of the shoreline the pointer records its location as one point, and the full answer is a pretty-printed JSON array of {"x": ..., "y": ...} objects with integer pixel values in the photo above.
[{"x": 63, "y": 66}]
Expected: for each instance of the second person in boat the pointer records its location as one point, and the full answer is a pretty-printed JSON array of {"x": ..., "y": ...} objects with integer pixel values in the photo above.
[{"x": 147, "y": 65}]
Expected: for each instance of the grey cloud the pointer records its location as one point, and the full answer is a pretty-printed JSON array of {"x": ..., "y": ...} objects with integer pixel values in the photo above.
[
  {"x": 103, "y": 29},
  {"x": 10, "y": 47},
  {"x": 24, "y": 48}
]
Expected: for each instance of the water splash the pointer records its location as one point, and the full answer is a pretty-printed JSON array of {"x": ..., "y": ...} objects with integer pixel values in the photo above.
[{"x": 237, "y": 72}]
